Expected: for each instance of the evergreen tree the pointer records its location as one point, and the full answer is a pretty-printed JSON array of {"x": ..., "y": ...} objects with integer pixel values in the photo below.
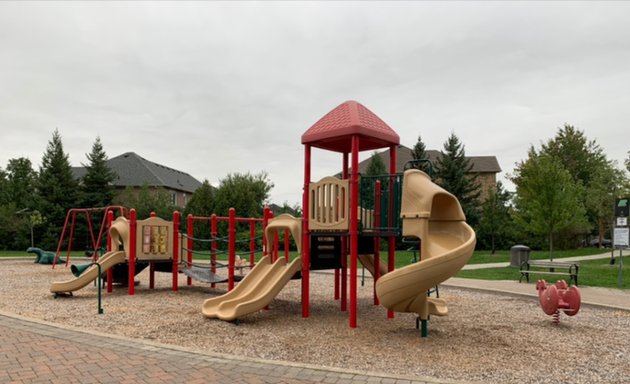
[
  {"x": 97, "y": 184},
  {"x": 57, "y": 189},
  {"x": 421, "y": 157},
  {"x": 496, "y": 227},
  {"x": 453, "y": 174},
  {"x": 376, "y": 167}
]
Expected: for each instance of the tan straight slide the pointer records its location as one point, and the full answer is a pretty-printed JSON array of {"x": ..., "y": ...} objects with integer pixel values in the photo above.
[
  {"x": 106, "y": 261},
  {"x": 254, "y": 292},
  {"x": 435, "y": 217}
]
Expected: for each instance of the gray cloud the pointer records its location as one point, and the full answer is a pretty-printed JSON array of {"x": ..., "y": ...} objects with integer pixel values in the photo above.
[{"x": 218, "y": 87}]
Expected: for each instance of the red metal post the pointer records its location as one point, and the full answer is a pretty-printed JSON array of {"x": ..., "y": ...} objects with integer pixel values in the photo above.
[
  {"x": 344, "y": 249},
  {"x": 110, "y": 278},
  {"x": 213, "y": 254},
  {"x": 74, "y": 217},
  {"x": 354, "y": 227},
  {"x": 175, "y": 268},
  {"x": 252, "y": 242},
  {"x": 132, "y": 252},
  {"x": 189, "y": 244},
  {"x": 305, "y": 235},
  {"x": 231, "y": 247},
  {"x": 266, "y": 215},
  {"x": 60, "y": 243}
]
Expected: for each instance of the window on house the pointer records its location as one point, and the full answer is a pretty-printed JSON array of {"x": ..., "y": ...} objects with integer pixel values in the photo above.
[{"x": 174, "y": 197}]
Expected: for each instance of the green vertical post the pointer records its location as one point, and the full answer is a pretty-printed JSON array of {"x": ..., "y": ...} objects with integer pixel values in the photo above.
[{"x": 99, "y": 283}]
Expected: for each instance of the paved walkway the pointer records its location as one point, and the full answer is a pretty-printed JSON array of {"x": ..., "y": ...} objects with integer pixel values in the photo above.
[{"x": 38, "y": 352}]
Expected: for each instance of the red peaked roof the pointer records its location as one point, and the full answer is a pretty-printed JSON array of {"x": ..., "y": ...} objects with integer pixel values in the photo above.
[{"x": 334, "y": 131}]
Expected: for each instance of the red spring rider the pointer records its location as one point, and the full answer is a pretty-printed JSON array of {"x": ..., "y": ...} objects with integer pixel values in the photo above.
[{"x": 558, "y": 296}]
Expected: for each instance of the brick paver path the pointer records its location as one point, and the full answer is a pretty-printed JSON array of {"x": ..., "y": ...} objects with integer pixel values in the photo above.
[{"x": 34, "y": 352}]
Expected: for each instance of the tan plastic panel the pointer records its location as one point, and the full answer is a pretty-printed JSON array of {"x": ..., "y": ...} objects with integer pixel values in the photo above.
[
  {"x": 434, "y": 216},
  {"x": 368, "y": 263},
  {"x": 106, "y": 261},
  {"x": 154, "y": 239},
  {"x": 329, "y": 201}
]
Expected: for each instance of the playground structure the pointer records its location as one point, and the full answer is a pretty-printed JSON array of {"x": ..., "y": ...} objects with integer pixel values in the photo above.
[
  {"x": 558, "y": 296},
  {"x": 349, "y": 217},
  {"x": 343, "y": 220},
  {"x": 133, "y": 245}
]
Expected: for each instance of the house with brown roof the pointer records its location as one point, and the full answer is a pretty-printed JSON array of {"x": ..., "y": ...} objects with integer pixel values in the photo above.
[
  {"x": 485, "y": 167},
  {"x": 135, "y": 171}
]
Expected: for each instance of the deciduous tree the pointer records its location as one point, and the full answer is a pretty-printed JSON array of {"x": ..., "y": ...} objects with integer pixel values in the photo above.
[
  {"x": 548, "y": 200},
  {"x": 495, "y": 227}
]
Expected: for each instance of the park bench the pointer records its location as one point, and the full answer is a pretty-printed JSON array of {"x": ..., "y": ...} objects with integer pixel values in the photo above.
[{"x": 542, "y": 267}]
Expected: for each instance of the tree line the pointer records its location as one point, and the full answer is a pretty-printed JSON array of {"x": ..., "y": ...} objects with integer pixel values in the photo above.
[
  {"x": 34, "y": 203},
  {"x": 565, "y": 192}
]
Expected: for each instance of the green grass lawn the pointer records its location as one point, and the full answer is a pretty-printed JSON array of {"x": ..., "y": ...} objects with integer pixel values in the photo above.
[{"x": 593, "y": 273}]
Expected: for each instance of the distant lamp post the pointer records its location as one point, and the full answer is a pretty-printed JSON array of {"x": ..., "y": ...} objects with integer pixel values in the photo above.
[{"x": 34, "y": 218}]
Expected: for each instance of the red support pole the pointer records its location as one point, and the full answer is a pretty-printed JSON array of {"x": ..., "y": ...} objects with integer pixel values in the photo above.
[
  {"x": 175, "y": 269},
  {"x": 354, "y": 228},
  {"x": 344, "y": 250},
  {"x": 60, "y": 243},
  {"x": 306, "y": 256},
  {"x": 231, "y": 247},
  {"x": 152, "y": 266},
  {"x": 252, "y": 242},
  {"x": 377, "y": 239},
  {"x": 266, "y": 214},
  {"x": 74, "y": 217},
  {"x": 132, "y": 252},
  {"x": 189, "y": 244},
  {"x": 110, "y": 278},
  {"x": 213, "y": 254}
]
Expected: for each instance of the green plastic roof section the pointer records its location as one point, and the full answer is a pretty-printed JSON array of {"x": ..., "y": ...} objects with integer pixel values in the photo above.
[{"x": 334, "y": 131}]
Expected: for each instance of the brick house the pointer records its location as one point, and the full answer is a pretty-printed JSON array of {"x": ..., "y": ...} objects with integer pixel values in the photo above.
[
  {"x": 135, "y": 171},
  {"x": 486, "y": 167}
]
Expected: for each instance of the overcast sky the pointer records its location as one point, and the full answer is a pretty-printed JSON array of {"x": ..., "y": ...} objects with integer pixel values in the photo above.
[{"x": 212, "y": 88}]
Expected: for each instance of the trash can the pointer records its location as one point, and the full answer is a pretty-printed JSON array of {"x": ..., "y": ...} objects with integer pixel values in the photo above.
[{"x": 518, "y": 255}]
